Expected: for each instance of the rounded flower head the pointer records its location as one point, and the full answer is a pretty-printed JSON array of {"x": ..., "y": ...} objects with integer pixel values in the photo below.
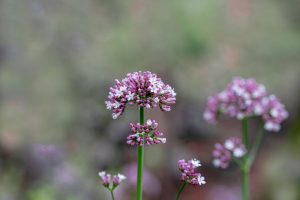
[
  {"x": 145, "y": 89},
  {"x": 188, "y": 173},
  {"x": 145, "y": 134},
  {"x": 246, "y": 98},
  {"x": 223, "y": 153}
]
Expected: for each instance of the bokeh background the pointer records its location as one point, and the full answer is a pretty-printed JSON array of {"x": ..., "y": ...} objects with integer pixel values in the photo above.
[{"x": 58, "y": 59}]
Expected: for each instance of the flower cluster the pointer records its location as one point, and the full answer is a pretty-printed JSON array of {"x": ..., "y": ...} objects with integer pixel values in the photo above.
[
  {"x": 246, "y": 98},
  {"x": 223, "y": 153},
  {"x": 188, "y": 173},
  {"x": 109, "y": 182},
  {"x": 145, "y": 134},
  {"x": 145, "y": 89}
]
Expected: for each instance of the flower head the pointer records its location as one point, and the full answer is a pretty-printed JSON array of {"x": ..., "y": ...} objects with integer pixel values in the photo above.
[
  {"x": 188, "y": 173},
  {"x": 145, "y": 134},
  {"x": 246, "y": 98},
  {"x": 105, "y": 178},
  {"x": 117, "y": 179},
  {"x": 111, "y": 183},
  {"x": 223, "y": 153},
  {"x": 145, "y": 89}
]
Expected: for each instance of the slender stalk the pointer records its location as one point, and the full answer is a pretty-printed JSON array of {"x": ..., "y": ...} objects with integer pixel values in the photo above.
[
  {"x": 245, "y": 168},
  {"x": 183, "y": 185},
  {"x": 245, "y": 129},
  {"x": 255, "y": 148},
  {"x": 139, "y": 193},
  {"x": 245, "y": 184},
  {"x": 112, "y": 194}
]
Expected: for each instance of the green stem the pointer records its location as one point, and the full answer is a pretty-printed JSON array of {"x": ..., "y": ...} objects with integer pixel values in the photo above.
[
  {"x": 183, "y": 185},
  {"x": 245, "y": 184},
  {"x": 245, "y": 129},
  {"x": 139, "y": 193},
  {"x": 255, "y": 148},
  {"x": 112, "y": 194},
  {"x": 245, "y": 168}
]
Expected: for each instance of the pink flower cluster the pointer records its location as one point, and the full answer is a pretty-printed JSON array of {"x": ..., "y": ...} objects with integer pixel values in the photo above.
[
  {"x": 223, "y": 153},
  {"x": 111, "y": 183},
  {"x": 145, "y": 134},
  {"x": 246, "y": 98},
  {"x": 145, "y": 89},
  {"x": 188, "y": 173}
]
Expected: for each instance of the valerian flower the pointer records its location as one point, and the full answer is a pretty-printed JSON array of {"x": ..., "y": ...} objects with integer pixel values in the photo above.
[
  {"x": 145, "y": 134},
  {"x": 188, "y": 173},
  {"x": 110, "y": 181},
  {"x": 223, "y": 153},
  {"x": 246, "y": 98},
  {"x": 145, "y": 89}
]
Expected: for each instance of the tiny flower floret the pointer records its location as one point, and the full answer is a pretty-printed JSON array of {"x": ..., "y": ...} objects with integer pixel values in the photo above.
[
  {"x": 145, "y": 89},
  {"x": 188, "y": 173},
  {"x": 246, "y": 98},
  {"x": 117, "y": 179},
  {"x": 109, "y": 182},
  {"x": 201, "y": 180},
  {"x": 106, "y": 178},
  {"x": 145, "y": 134},
  {"x": 223, "y": 153}
]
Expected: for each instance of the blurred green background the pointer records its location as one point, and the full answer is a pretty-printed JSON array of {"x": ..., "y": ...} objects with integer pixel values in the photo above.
[{"x": 58, "y": 59}]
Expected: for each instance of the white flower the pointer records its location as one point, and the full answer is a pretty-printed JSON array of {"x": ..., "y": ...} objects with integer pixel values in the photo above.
[
  {"x": 130, "y": 96},
  {"x": 196, "y": 163},
  {"x": 121, "y": 177},
  {"x": 116, "y": 104},
  {"x": 154, "y": 89},
  {"x": 163, "y": 140},
  {"x": 109, "y": 105},
  {"x": 229, "y": 144},
  {"x": 208, "y": 115},
  {"x": 216, "y": 162},
  {"x": 119, "y": 93},
  {"x": 274, "y": 112},
  {"x": 270, "y": 126},
  {"x": 149, "y": 122},
  {"x": 116, "y": 115},
  {"x": 123, "y": 88},
  {"x": 239, "y": 152},
  {"x": 201, "y": 180},
  {"x": 258, "y": 110},
  {"x": 156, "y": 99},
  {"x": 101, "y": 174}
]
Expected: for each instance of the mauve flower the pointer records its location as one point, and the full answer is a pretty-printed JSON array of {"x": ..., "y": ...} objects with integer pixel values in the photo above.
[
  {"x": 145, "y": 89},
  {"x": 188, "y": 173},
  {"x": 222, "y": 156},
  {"x": 274, "y": 114},
  {"x": 223, "y": 153},
  {"x": 145, "y": 134},
  {"x": 105, "y": 178},
  {"x": 235, "y": 146},
  {"x": 246, "y": 98},
  {"x": 117, "y": 179},
  {"x": 109, "y": 182}
]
